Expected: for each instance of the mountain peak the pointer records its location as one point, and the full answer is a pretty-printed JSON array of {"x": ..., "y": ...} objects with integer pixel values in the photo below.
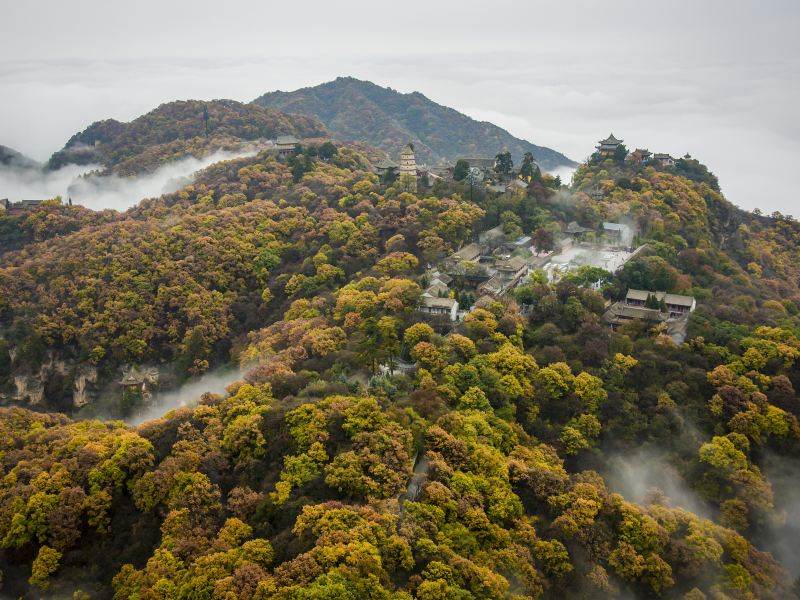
[
  {"x": 176, "y": 129},
  {"x": 355, "y": 109}
]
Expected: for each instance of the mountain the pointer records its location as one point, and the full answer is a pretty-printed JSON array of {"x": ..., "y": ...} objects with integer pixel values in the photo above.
[
  {"x": 369, "y": 450},
  {"x": 359, "y": 110},
  {"x": 11, "y": 158},
  {"x": 347, "y": 108},
  {"x": 178, "y": 129}
]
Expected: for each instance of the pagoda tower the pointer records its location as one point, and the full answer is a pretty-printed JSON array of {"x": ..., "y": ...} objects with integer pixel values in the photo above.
[{"x": 408, "y": 163}]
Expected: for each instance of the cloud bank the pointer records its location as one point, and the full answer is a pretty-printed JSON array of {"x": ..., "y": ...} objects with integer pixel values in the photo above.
[
  {"x": 100, "y": 192},
  {"x": 673, "y": 77}
]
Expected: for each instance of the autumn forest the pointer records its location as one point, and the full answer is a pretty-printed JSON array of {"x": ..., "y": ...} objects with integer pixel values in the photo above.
[{"x": 363, "y": 450}]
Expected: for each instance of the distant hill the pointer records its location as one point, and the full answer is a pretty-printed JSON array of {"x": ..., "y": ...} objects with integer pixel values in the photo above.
[
  {"x": 175, "y": 130},
  {"x": 11, "y": 158},
  {"x": 359, "y": 110}
]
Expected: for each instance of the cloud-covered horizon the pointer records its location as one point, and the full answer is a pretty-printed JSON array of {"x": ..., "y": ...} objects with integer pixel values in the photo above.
[{"x": 674, "y": 78}]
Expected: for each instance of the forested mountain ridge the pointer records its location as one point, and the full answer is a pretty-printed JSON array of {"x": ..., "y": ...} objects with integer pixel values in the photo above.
[
  {"x": 178, "y": 129},
  {"x": 349, "y": 109},
  {"x": 11, "y": 158},
  {"x": 51, "y": 219},
  {"x": 177, "y": 279},
  {"x": 360, "y": 110},
  {"x": 295, "y": 483},
  {"x": 710, "y": 245}
]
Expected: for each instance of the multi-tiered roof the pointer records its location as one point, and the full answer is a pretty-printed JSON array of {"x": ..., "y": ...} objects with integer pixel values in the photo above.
[{"x": 609, "y": 145}]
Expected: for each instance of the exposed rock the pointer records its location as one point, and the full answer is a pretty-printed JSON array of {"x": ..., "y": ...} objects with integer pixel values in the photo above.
[
  {"x": 29, "y": 388},
  {"x": 80, "y": 387}
]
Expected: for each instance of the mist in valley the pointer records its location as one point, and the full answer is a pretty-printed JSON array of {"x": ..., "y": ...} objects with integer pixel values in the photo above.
[
  {"x": 640, "y": 477},
  {"x": 87, "y": 188},
  {"x": 782, "y": 536},
  {"x": 188, "y": 394}
]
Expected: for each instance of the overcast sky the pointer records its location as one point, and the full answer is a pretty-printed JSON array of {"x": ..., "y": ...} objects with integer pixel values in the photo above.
[{"x": 719, "y": 79}]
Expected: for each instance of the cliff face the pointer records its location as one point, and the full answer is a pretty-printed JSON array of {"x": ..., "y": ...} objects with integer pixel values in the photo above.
[
  {"x": 69, "y": 385},
  {"x": 34, "y": 388},
  {"x": 57, "y": 384},
  {"x": 83, "y": 386},
  {"x": 29, "y": 388}
]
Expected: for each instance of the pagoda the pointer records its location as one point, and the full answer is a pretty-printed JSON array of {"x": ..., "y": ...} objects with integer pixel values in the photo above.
[
  {"x": 608, "y": 146},
  {"x": 408, "y": 163}
]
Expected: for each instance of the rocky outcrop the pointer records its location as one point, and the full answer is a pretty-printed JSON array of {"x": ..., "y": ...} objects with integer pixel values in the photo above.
[
  {"x": 67, "y": 384},
  {"x": 28, "y": 388},
  {"x": 81, "y": 389},
  {"x": 50, "y": 385}
]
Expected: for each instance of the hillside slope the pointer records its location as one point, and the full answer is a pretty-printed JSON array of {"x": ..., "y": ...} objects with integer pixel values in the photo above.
[
  {"x": 359, "y": 110},
  {"x": 11, "y": 158},
  {"x": 485, "y": 469},
  {"x": 178, "y": 129}
]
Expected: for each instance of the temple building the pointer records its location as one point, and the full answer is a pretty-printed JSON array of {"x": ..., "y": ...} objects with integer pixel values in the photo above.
[
  {"x": 642, "y": 155},
  {"x": 596, "y": 193},
  {"x": 485, "y": 163},
  {"x": 608, "y": 146},
  {"x": 654, "y": 309},
  {"x": 665, "y": 160},
  {"x": 441, "y": 307},
  {"x": 384, "y": 167},
  {"x": 17, "y": 208},
  {"x": 143, "y": 381},
  {"x": 618, "y": 234},
  {"x": 575, "y": 230},
  {"x": 512, "y": 269},
  {"x": 285, "y": 144},
  {"x": 676, "y": 305}
]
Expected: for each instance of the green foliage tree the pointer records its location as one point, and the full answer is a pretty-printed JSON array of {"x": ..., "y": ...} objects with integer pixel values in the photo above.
[
  {"x": 503, "y": 163},
  {"x": 528, "y": 167},
  {"x": 45, "y": 564},
  {"x": 461, "y": 170}
]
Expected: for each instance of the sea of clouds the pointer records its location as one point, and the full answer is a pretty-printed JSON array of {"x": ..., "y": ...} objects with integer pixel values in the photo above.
[
  {"x": 673, "y": 78},
  {"x": 97, "y": 192}
]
